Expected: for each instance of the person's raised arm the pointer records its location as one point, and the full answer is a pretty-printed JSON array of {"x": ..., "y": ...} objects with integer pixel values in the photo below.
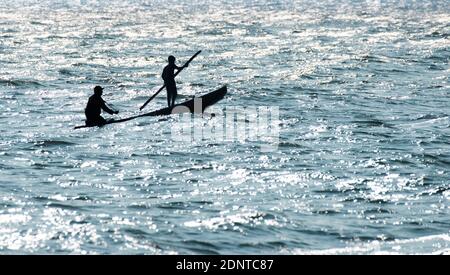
[{"x": 182, "y": 67}]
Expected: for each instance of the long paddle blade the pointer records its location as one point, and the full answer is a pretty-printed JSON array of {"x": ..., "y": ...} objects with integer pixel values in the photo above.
[{"x": 179, "y": 71}]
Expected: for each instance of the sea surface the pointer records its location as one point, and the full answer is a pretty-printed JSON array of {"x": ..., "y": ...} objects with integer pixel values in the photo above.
[{"x": 362, "y": 162}]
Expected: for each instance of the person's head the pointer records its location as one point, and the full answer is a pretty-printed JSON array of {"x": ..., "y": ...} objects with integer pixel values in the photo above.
[
  {"x": 98, "y": 90},
  {"x": 171, "y": 59}
]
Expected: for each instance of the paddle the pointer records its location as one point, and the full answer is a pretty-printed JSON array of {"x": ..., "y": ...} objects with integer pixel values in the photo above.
[{"x": 153, "y": 96}]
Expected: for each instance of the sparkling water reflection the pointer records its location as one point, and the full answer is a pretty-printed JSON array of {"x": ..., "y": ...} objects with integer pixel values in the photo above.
[{"x": 363, "y": 156}]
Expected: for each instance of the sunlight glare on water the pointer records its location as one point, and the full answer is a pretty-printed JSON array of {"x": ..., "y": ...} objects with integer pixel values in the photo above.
[{"x": 362, "y": 162}]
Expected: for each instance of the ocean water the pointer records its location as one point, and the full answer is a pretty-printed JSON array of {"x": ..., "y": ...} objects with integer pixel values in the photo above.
[{"x": 363, "y": 154}]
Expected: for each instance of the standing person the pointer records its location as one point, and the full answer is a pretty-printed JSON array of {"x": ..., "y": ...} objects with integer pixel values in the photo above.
[
  {"x": 94, "y": 108},
  {"x": 168, "y": 76}
]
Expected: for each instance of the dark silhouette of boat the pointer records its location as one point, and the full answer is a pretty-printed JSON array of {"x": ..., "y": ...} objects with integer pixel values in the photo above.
[{"x": 195, "y": 105}]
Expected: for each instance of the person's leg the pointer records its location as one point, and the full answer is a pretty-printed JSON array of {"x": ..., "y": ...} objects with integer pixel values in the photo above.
[
  {"x": 95, "y": 121},
  {"x": 171, "y": 93},
  {"x": 101, "y": 121},
  {"x": 175, "y": 94},
  {"x": 90, "y": 120},
  {"x": 169, "y": 97}
]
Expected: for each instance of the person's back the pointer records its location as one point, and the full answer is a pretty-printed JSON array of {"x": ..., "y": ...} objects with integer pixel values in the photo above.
[
  {"x": 168, "y": 74},
  {"x": 93, "y": 107}
]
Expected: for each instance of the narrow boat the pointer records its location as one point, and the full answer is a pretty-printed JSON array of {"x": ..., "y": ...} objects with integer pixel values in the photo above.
[{"x": 195, "y": 105}]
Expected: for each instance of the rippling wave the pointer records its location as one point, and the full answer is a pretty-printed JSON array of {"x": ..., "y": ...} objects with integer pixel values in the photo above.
[{"x": 363, "y": 156}]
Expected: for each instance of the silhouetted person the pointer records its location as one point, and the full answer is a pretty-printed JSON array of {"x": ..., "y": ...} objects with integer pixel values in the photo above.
[
  {"x": 94, "y": 108},
  {"x": 168, "y": 76}
]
